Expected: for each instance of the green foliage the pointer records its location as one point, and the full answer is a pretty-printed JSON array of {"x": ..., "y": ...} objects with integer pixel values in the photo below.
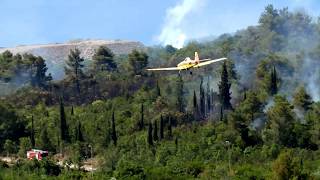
[
  {"x": 113, "y": 132},
  {"x": 138, "y": 61},
  {"x": 287, "y": 166},
  {"x": 105, "y": 123},
  {"x": 9, "y": 146},
  {"x": 24, "y": 69},
  {"x": 273, "y": 82},
  {"x": 281, "y": 122},
  {"x": 224, "y": 89},
  {"x": 78, "y": 133},
  {"x": 250, "y": 107},
  {"x": 12, "y": 126},
  {"x": 301, "y": 99},
  {"x": 202, "y": 102},
  {"x": 150, "y": 139},
  {"x": 155, "y": 131},
  {"x": 32, "y": 136},
  {"x": 25, "y": 145},
  {"x": 45, "y": 141},
  {"x": 39, "y": 77},
  {"x": 104, "y": 59},
  {"x": 73, "y": 68},
  {"x": 64, "y": 130}
]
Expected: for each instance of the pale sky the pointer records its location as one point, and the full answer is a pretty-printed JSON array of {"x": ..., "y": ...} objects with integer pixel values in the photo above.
[{"x": 151, "y": 22}]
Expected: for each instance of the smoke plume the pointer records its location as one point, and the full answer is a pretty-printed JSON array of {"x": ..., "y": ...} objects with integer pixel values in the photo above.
[{"x": 173, "y": 31}]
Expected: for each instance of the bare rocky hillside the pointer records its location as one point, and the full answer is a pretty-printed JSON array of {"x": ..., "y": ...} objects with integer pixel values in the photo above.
[{"x": 56, "y": 54}]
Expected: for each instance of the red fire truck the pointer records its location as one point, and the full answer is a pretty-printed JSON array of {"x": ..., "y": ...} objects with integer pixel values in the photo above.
[{"x": 36, "y": 153}]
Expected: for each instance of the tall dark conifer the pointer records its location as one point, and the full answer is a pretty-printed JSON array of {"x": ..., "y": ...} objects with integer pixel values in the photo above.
[
  {"x": 32, "y": 138},
  {"x": 273, "y": 83},
  {"x": 221, "y": 113},
  {"x": 64, "y": 133},
  {"x": 212, "y": 98},
  {"x": 72, "y": 111},
  {"x": 195, "y": 106},
  {"x": 169, "y": 128},
  {"x": 161, "y": 128},
  {"x": 208, "y": 97},
  {"x": 141, "y": 122},
  {"x": 113, "y": 131},
  {"x": 150, "y": 139},
  {"x": 202, "y": 100},
  {"x": 155, "y": 131},
  {"x": 224, "y": 89},
  {"x": 79, "y": 135}
]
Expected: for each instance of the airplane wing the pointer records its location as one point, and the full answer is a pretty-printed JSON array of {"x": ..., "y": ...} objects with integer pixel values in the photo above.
[
  {"x": 208, "y": 62},
  {"x": 201, "y": 60},
  {"x": 165, "y": 69}
]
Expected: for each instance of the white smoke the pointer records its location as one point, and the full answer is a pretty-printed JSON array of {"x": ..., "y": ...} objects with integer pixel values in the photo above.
[
  {"x": 173, "y": 32},
  {"x": 258, "y": 123},
  {"x": 200, "y": 19},
  {"x": 312, "y": 78}
]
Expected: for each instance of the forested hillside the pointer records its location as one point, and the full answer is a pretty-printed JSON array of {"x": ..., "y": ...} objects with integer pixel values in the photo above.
[{"x": 254, "y": 116}]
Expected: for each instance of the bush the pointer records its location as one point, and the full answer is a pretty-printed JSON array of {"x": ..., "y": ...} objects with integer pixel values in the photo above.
[
  {"x": 43, "y": 167},
  {"x": 288, "y": 166},
  {"x": 3, "y": 165}
]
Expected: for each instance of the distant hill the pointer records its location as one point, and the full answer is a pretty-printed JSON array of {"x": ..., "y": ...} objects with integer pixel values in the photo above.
[{"x": 56, "y": 54}]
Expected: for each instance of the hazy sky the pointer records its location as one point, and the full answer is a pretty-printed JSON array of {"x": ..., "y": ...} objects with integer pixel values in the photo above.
[{"x": 151, "y": 22}]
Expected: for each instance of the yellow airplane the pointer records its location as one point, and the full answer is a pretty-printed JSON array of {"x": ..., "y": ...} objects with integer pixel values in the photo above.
[{"x": 188, "y": 64}]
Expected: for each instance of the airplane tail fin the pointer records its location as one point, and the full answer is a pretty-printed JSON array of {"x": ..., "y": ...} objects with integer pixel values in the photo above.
[{"x": 196, "y": 57}]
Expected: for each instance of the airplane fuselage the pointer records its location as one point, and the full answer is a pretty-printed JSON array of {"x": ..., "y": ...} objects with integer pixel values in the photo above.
[{"x": 187, "y": 64}]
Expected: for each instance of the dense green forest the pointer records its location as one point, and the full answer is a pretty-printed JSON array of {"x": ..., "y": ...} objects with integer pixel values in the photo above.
[{"x": 254, "y": 116}]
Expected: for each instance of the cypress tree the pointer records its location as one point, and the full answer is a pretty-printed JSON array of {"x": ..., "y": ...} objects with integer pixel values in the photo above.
[
  {"x": 150, "y": 140},
  {"x": 273, "y": 83},
  {"x": 195, "y": 106},
  {"x": 64, "y": 134},
  {"x": 78, "y": 135},
  {"x": 208, "y": 95},
  {"x": 170, "y": 128},
  {"x": 141, "y": 122},
  {"x": 155, "y": 131},
  {"x": 202, "y": 100},
  {"x": 114, "y": 133},
  {"x": 161, "y": 127},
  {"x": 33, "y": 142},
  {"x": 221, "y": 113},
  {"x": 212, "y": 99},
  {"x": 224, "y": 88},
  {"x": 72, "y": 111}
]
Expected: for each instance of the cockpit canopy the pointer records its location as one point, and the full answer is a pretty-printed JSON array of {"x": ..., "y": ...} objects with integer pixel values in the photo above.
[{"x": 187, "y": 59}]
